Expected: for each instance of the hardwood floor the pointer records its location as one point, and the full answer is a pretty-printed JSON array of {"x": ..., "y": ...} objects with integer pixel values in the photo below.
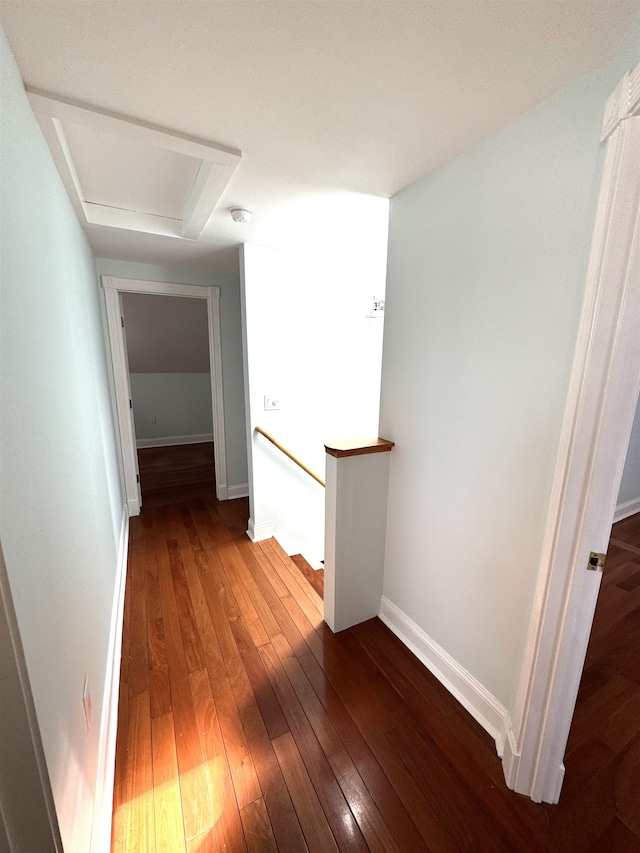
[
  {"x": 601, "y": 796},
  {"x": 314, "y": 576},
  {"x": 165, "y": 469},
  {"x": 246, "y": 725}
]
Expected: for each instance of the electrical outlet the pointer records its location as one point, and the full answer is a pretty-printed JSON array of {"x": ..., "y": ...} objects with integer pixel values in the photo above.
[
  {"x": 86, "y": 702},
  {"x": 152, "y": 419},
  {"x": 271, "y": 404}
]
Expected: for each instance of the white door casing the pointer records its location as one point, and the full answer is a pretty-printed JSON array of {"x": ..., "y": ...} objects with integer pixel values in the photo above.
[
  {"x": 113, "y": 288},
  {"x": 129, "y": 411},
  {"x": 599, "y": 413}
]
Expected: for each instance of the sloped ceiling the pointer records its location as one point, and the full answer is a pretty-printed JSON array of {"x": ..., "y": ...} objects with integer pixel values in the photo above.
[
  {"x": 166, "y": 334},
  {"x": 363, "y": 97}
]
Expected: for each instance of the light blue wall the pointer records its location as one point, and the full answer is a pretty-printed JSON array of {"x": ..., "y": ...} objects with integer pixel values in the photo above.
[
  {"x": 630, "y": 485},
  {"x": 487, "y": 264},
  {"x": 61, "y": 503},
  {"x": 231, "y": 334},
  {"x": 180, "y": 403}
]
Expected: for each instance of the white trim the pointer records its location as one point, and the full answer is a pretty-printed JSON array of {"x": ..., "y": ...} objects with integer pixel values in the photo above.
[
  {"x": 258, "y": 532},
  {"x": 157, "y": 288},
  {"x": 103, "y": 802},
  {"x": 170, "y": 440},
  {"x": 479, "y": 702},
  {"x": 208, "y": 188},
  {"x": 599, "y": 414},
  {"x": 215, "y": 352},
  {"x": 241, "y": 490},
  {"x": 623, "y": 102},
  {"x": 217, "y": 165},
  {"x": 626, "y": 509},
  {"x": 113, "y": 285},
  {"x": 122, "y": 387},
  {"x": 102, "y": 216}
]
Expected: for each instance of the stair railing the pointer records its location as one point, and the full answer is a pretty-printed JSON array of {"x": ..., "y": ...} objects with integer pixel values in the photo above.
[{"x": 290, "y": 455}]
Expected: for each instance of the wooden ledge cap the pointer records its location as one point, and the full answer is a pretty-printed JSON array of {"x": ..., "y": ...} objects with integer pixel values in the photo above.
[{"x": 358, "y": 447}]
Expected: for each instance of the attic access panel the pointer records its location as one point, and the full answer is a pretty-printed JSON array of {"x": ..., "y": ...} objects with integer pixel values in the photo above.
[{"x": 122, "y": 174}]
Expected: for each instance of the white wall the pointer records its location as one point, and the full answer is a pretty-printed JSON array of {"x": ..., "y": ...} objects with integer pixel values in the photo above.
[
  {"x": 487, "y": 262},
  {"x": 629, "y": 495},
  {"x": 231, "y": 344},
  {"x": 180, "y": 403},
  {"x": 61, "y": 501},
  {"x": 309, "y": 345}
]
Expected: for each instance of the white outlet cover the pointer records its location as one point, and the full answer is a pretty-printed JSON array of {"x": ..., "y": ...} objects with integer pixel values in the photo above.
[{"x": 271, "y": 404}]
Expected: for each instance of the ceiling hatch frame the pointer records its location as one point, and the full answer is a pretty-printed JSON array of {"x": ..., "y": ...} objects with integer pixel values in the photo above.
[{"x": 217, "y": 165}]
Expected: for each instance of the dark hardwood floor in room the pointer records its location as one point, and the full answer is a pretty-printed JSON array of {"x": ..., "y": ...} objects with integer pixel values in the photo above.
[
  {"x": 164, "y": 470},
  {"x": 246, "y": 725}
]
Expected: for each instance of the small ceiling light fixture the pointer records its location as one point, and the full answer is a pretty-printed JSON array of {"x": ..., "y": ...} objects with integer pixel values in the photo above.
[
  {"x": 241, "y": 214},
  {"x": 377, "y": 310}
]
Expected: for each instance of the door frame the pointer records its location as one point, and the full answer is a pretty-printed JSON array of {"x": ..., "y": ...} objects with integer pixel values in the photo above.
[
  {"x": 599, "y": 412},
  {"x": 113, "y": 289}
]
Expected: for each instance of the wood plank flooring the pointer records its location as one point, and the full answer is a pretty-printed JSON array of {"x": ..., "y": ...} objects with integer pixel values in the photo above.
[
  {"x": 246, "y": 725},
  {"x": 314, "y": 576},
  {"x": 176, "y": 466}
]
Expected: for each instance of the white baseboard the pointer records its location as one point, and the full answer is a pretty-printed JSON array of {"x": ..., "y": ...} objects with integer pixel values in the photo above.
[
  {"x": 241, "y": 490},
  {"x": 519, "y": 778},
  {"x": 482, "y": 705},
  {"x": 258, "y": 532},
  {"x": 626, "y": 509},
  {"x": 103, "y": 803},
  {"x": 169, "y": 440},
  {"x": 510, "y": 758}
]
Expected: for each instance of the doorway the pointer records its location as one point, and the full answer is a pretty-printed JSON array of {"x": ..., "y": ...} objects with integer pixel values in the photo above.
[
  {"x": 599, "y": 413},
  {"x": 170, "y": 378},
  {"x": 116, "y": 290}
]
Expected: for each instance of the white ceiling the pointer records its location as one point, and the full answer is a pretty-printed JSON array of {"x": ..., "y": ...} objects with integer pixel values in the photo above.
[
  {"x": 124, "y": 174},
  {"x": 321, "y": 97},
  {"x": 120, "y": 172}
]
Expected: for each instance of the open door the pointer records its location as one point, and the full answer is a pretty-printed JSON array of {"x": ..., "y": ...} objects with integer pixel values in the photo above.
[
  {"x": 113, "y": 289},
  {"x": 132, "y": 423},
  {"x": 124, "y": 407},
  {"x": 597, "y": 425}
]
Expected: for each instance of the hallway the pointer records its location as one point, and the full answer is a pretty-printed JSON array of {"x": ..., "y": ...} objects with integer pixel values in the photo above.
[{"x": 245, "y": 724}]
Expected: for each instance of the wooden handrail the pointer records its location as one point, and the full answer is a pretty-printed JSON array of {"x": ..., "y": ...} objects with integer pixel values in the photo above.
[
  {"x": 291, "y": 455},
  {"x": 358, "y": 447}
]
